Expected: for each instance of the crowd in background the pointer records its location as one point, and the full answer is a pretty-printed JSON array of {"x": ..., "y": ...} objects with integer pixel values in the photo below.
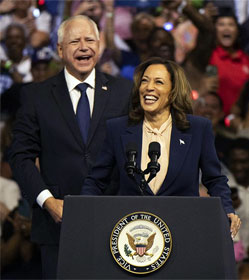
[{"x": 209, "y": 39}]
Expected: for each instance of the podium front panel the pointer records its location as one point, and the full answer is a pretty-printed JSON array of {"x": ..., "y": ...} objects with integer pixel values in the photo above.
[{"x": 202, "y": 247}]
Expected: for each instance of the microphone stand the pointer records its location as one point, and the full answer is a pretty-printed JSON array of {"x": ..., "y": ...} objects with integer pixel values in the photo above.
[{"x": 143, "y": 182}]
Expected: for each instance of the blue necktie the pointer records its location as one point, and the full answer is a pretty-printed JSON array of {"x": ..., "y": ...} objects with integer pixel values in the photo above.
[{"x": 83, "y": 111}]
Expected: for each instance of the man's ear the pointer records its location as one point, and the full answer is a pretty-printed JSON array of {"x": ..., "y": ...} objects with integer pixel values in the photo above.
[{"x": 59, "y": 50}]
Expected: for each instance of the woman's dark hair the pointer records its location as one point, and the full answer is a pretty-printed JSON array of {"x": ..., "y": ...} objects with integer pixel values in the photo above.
[{"x": 179, "y": 99}]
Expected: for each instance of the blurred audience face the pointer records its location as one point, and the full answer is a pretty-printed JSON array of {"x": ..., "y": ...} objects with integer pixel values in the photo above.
[
  {"x": 226, "y": 31},
  {"x": 95, "y": 11},
  {"x": 79, "y": 48},
  {"x": 141, "y": 29},
  {"x": 239, "y": 165},
  {"x": 161, "y": 43},
  {"x": 209, "y": 106},
  {"x": 15, "y": 42},
  {"x": 154, "y": 89},
  {"x": 40, "y": 71}
]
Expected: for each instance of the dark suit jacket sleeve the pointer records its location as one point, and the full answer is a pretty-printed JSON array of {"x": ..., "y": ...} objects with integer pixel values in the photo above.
[
  {"x": 26, "y": 147},
  {"x": 211, "y": 171},
  {"x": 100, "y": 176}
]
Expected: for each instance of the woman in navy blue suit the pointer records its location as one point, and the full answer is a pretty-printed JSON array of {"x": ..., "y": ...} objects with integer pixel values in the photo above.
[{"x": 161, "y": 112}]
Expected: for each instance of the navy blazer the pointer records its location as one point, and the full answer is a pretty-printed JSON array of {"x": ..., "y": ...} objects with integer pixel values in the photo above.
[
  {"x": 190, "y": 151},
  {"x": 46, "y": 128}
]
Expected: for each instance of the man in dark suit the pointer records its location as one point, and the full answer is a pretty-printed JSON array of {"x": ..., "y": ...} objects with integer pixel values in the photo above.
[{"x": 48, "y": 128}]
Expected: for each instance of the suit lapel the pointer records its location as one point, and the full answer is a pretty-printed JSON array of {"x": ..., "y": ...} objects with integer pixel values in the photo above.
[
  {"x": 61, "y": 95},
  {"x": 179, "y": 146},
  {"x": 101, "y": 95}
]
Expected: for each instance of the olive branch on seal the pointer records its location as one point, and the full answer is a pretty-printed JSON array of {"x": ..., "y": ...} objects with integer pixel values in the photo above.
[{"x": 127, "y": 251}]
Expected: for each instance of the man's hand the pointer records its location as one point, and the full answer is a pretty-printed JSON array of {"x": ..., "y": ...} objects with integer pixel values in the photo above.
[
  {"x": 235, "y": 224},
  {"x": 55, "y": 208}
]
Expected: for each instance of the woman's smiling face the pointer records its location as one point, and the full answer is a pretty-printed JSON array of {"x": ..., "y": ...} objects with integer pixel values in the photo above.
[{"x": 154, "y": 89}]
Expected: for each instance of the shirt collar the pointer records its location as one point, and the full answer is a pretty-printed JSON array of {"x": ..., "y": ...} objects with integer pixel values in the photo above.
[
  {"x": 162, "y": 129},
  {"x": 225, "y": 54},
  {"x": 72, "y": 82}
]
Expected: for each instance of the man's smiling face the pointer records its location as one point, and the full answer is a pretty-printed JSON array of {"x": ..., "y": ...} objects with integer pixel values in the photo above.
[{"x": 80, "y": 48}]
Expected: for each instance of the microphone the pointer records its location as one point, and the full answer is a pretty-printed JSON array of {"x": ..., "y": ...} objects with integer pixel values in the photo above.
[
  {"x": 154, "y": 154},
  {"x": 131, "y": 153}
]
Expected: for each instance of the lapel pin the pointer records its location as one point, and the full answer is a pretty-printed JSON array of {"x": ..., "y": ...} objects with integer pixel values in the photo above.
[
  {"x": 182, "y": 142},
  {"x": 104, "y": 87}
]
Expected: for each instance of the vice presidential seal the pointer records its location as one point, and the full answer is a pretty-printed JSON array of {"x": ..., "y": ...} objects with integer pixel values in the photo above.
[{"x": 141, "y": 242}]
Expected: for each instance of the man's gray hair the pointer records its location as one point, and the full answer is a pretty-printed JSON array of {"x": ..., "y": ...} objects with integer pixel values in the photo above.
[{"x": 63, "y": 25}]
